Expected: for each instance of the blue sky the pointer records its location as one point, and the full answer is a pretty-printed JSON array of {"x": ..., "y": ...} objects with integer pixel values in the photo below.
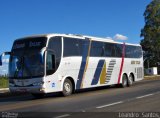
[{"x": 101, "y": 18}]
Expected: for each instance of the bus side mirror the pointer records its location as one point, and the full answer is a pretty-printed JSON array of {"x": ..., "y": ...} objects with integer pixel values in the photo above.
[
  {"x": 41, "y": 56},
  {"x": 3, "y": 54}
]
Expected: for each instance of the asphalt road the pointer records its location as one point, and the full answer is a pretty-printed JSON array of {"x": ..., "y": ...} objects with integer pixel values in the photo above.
[{"x": 143, "y": 96}]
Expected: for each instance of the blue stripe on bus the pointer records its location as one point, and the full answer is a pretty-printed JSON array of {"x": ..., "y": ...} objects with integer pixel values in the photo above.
[
  {"x": 83, "y": 64},
  {"x": 97, "y": 73}
]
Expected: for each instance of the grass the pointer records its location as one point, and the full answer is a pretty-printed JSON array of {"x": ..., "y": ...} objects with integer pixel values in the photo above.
[
  {"x": 152, "y": 77},
  {"x": 3, "y": 82}
]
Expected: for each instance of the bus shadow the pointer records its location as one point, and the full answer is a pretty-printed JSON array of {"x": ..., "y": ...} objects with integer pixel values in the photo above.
[
  {"x": 18, "y": 97},
  {"x": 87, "y": 90}
]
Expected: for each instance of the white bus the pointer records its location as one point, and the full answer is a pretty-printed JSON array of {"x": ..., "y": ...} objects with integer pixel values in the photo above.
[{"x": 64, "y": 63}]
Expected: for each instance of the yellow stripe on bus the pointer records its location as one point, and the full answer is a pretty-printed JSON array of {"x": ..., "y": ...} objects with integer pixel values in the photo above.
[{"x": 103, "y": 74}]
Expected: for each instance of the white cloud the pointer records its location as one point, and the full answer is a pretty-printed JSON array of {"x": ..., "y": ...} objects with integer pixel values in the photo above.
[
  {"x": 109, "y": 38},
  {"x": 4, "y": 70},
  {"x": 120, "y": 37}
]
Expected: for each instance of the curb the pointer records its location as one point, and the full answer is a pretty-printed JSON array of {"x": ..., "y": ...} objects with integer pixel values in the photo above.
[
  {"x": 4, "y": 92},
  {"x": 152, "y": 77},
  {"x": 4, "y": 89}
]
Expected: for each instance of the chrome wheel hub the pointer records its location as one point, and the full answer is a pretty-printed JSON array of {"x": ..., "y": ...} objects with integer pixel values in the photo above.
[{"x": 67, "y": 87}]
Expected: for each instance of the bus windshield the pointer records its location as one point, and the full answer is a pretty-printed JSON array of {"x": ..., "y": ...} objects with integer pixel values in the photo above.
[{"x": 25, "y": 60}]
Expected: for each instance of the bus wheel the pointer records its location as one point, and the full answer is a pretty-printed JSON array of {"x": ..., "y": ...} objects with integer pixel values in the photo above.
[
  {"x": 67, "y": 87},
  {"x": 124, "y": 81},
  {"x": 130, "y": 80}
]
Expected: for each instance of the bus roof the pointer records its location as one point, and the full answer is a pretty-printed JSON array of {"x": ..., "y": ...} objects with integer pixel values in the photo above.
[{"x": 78, "y": 36}]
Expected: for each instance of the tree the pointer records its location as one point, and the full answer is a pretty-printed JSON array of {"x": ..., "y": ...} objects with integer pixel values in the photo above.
[{"x": 151, "y": 32}]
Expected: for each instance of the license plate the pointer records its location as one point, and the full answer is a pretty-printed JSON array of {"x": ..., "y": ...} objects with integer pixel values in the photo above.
[{"x": 22, "y": 90}]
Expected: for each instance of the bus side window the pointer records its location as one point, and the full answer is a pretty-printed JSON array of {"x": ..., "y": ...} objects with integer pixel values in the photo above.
[
  {"x": 55, "y": 44},
  {"x": 109, "y": 50},
  {"x": 50, "y": 63}
]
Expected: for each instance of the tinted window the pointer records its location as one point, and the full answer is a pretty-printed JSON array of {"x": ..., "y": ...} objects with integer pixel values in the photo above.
[
  {"x": 97, "y": 49},
  {"x": 133, "y": 51},
  {"x": 72, "y": 47},
  {"x": 109, "y": 50},
  {"x": 26, "y": 60},
  {"x": 36, "y": 43},
  {"x": 103, "y": 49},
  {"x": 50, "y": 63},
  {"x": 55, "y": 44},
  {"x": 118, "y": 50}
]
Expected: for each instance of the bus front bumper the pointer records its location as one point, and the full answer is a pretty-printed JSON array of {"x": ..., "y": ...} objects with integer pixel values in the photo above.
[{"x": 38, "y": 89}]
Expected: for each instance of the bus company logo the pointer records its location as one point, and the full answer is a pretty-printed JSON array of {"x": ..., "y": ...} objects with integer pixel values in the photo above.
[
  {"x": 53, "y": 84},
  {"x": 34, "y": 44},
  {"x": 135, "y": 62},
  {"x": 17, "y": 46}
]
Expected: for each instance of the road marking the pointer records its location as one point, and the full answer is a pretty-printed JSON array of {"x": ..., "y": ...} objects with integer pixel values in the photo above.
[
  {"x": 128, "y": 100},
  {"x": 107, "y": 105},
  {"x": 62, "y": 116},
  {"x": 144, "y": 96}
]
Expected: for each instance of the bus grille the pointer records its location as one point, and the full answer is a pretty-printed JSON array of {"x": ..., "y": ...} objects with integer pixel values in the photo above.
[{"x": 139, "y": 72}]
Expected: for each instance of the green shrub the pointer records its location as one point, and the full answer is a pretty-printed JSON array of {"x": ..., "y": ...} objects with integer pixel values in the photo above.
[{"x": 3, "y": 82}]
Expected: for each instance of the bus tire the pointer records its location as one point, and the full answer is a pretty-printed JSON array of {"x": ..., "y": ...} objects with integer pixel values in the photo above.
[
  {"x": 67, "y": 88},
  {"x": 124, "y": 81},
  {"x": 130, "y": 80}
]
